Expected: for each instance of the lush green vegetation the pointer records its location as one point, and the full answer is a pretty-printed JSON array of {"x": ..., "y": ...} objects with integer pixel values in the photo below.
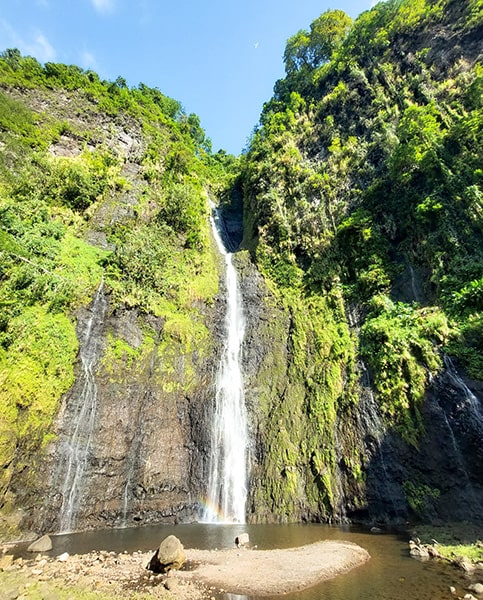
[
  {"x": 82, "y": 202},
  {"x": 454, "y": 540},
  {"x": 364, "y": 179}
]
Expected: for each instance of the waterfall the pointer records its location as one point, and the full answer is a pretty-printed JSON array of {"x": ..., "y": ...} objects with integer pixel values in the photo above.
[
  {"x": 464, "y": 421},
  {"x": 467, "y": 399},
  {"x": 227, "y": 484},
  {"x": 79, "y": 418}
]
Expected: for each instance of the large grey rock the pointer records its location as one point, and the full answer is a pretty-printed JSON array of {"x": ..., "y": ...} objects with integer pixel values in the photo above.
[
  {"x": 43, "y": 544},
  {"x": 242, "y": 539},
  {"x": 169, "y": 555}
]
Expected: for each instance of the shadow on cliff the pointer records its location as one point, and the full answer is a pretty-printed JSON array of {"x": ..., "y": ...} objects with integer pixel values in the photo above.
[{"x": 442, "y": 479}]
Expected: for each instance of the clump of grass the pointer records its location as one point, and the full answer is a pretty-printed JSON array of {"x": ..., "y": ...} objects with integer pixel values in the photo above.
[{"x": 454, "y": 540}]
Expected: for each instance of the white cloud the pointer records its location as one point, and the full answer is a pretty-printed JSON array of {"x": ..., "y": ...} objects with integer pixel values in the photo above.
[
  {"x": 88, "y": 61},
  {"x": 36, "y": 44},
  {"x": 103, "y": 6},
  {"x": 41, "y": 48}
]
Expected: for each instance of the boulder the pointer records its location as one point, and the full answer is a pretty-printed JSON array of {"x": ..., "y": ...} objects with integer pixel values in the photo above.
[
  {"x": 242, "y": 540},
  {"x": 169, "y": 555},
  {"x": 43, "y": 544},
  {"x": 464, "y": 563}
]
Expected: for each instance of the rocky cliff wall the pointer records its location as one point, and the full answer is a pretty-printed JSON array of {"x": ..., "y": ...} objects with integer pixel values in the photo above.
[{"x": 322, "y": 449}]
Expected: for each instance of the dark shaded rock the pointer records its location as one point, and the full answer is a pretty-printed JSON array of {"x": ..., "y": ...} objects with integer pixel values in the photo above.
[{"x": 170, "y": 555}]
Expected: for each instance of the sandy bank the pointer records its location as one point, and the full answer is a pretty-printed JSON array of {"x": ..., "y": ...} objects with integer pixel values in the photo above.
[
  {"x": 268, "y": 572},
  {"x": 242, "y": 571}
]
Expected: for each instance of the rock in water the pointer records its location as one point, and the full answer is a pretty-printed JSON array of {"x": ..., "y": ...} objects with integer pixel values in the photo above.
[
  {"x": 43, "y": 544},
  {"x": 169, "y": 555},
  {"x": 417, "y": 550}
]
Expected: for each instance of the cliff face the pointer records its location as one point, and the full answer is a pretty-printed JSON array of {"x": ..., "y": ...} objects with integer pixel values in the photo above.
[
  {"x": 347, "y": 462},
  {"x": 111, "y": 281},
  {"x": 360, "y": 274},
  {"x": 358, "y": 214},
  {"x": 148, "y": 447}
]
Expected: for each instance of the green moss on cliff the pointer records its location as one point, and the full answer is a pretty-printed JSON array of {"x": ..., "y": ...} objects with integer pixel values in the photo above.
[
  {"x": 306, "y": 380},
  {"x": 363, "y": 162}
]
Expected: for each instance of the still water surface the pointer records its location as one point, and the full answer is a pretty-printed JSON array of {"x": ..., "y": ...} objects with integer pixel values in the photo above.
[{"x": 390, "y": 574}]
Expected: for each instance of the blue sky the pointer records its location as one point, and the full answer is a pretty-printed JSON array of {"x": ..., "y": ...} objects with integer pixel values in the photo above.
[{"x": 219, "y": 58}]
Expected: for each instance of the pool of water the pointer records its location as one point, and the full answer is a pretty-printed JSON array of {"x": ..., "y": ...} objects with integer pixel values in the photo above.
[{"x": 390, "y": 574}]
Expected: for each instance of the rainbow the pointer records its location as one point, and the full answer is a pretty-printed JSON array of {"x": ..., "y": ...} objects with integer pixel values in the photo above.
[{"x": 215, "y": 513}]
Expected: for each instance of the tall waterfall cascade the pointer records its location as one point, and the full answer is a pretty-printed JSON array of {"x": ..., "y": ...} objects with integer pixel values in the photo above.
[
  {"x": 227, "y": 484},
  {"x": 81, "y": 415}
]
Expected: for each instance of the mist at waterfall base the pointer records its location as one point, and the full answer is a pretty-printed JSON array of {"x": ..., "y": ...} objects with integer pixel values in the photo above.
[
  {"x": 227, "y": 487},
  {"x": 390, "y": 574}
]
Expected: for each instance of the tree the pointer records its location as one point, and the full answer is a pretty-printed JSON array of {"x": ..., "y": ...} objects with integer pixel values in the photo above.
[
  {"x": 297, "y": 52},
  {"x": 312, "y": 49},
  {"x": 327, "y": 33}
]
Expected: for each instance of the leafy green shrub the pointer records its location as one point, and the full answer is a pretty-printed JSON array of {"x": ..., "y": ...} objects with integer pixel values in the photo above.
[{"x": 420, "y": 497}]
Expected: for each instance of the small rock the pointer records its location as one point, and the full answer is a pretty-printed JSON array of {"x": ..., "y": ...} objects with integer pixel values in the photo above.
[
  {"x": 63, "y": 557},
  {"x": 6, "y": 562},
  {"x": 417, "y": 551},
  {"x": 171, "y": 584},
  {"x": 469, "y": 597},
  {"x": 375, "y": 530},
  {"x": 452, "y": 589},
  {"x": 477, "y": 588},
  {"x": 43, "y": 544}
]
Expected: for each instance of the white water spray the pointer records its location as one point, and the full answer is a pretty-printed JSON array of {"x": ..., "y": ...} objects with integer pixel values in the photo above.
[
  {"x": 227, "y": 485},
  {"x": 82, "y": 414}
]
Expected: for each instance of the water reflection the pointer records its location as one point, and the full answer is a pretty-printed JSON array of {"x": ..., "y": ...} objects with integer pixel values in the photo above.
[{"x": 390, "y": 574}]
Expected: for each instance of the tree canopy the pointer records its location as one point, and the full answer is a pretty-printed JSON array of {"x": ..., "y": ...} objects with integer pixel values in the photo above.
[{"x": 315, "y": 47}]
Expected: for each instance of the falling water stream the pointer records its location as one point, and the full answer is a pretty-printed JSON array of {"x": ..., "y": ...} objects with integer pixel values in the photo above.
[
  {"x": 227, "y": 488},
  {"x": 467, "y": 399},
  {"x": 79, "y": 418}
]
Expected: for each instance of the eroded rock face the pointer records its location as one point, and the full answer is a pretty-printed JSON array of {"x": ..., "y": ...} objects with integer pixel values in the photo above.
[{"x": 148, "y": 449}]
